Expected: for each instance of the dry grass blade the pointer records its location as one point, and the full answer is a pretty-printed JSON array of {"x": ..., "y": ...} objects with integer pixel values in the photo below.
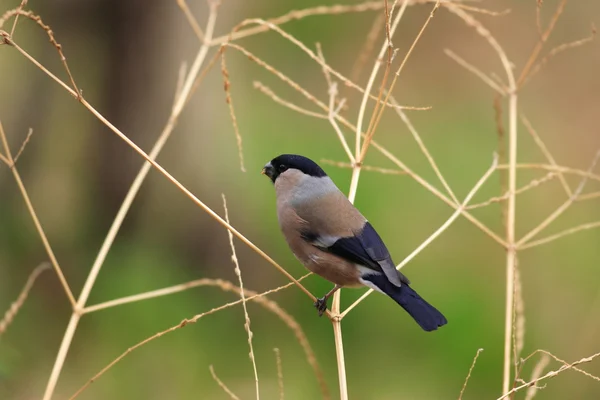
[
  {"x": 538, "y": 140},
  {"x": 475, "y": 71},
  {"x": 238, "y": 273},
  {"x": 229, "y": 101},
  {"x": 222, "y": 385},
  {"x": 279, "y": 373},
  {"x": 34, "y": 217},
  {"x": 558, "y": 169},
  {"x": 331, "y": 116},
  {"x": 14, "y": 308},
  {"x": 435, "y": 234},
  {"x": 537, "y": 372},
  {"x": 550, "y": 374},
  {"x": 462, "y": 391}
]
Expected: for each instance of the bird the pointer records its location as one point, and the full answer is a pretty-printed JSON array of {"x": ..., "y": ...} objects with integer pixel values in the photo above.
[{"x": 334, "y": 240}]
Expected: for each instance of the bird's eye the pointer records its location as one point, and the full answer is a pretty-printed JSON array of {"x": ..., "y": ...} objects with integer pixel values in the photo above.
[{"x": 282, "y": 168}]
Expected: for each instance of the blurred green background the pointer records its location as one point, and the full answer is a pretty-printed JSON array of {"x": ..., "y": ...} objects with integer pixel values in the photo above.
[{"x": 125, "y": 56}]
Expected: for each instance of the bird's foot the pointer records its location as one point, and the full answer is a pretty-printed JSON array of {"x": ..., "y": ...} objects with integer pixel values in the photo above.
[{"x": 321, "y": 305}]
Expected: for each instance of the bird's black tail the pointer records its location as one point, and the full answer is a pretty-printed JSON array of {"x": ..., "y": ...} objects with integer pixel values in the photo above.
[{"x": 426, "y": 315}]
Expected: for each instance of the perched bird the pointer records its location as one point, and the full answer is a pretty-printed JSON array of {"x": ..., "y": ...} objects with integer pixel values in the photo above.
[{"x": 333, "y": 239}]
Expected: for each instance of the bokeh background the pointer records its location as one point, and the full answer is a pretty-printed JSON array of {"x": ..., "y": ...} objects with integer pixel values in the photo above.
[{"x": 125, "y": 56}]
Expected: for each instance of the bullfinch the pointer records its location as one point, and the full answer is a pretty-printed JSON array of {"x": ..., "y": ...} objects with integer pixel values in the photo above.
[{"x": 333, "y": 239}]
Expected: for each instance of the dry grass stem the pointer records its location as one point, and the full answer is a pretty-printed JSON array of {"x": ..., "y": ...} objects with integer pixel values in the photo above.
[
  {"x": 377, "y": 119},
  {"x": 540, "y": 44},
  {"x": 229, "y": 101},
  {"x": 537, "y": 372},
  {"x": 165, "y": 292},
  {"x": 279, "y": 373},
  {"x": 462, "y": 391},
  {"x": 251, "y": 296},
  {"x": 269, "y": 93},
  {"x": 22, "y": 149},
  {"x": 316, "y": 58},
  {"x": 21, "y": 6},
  {"x": 562, "y": 208},
  {"x": 238, "y": 273},
  {"x": 547, "y": 353},
  {"x": 518, "y": 319},
  {"x": 550, "y": 374},
  {"x": 512, "y": 182},
  {"x": 540, "y": 143},
  {"x": 385, "y": 171},
  {"x": 38, "y": 20},
  {"x": 191, "y": 20},
  {"x": 34, "y": 217},
  {"x": 435, "y": 234},
  {"x": 531, "y": 185},
  {"x": 367, "y": 47},
  {"x": 475, "y": 71},
  {"x": 14, "y": 308},
  {"x": 331, "y": 116},
  {"x": 222, "y": 385},
  {"x": 551, "y": 238},
  {"x": 300, "y": 14},
  {"x": 423, "y": 148},
  {"x": 557, "y": 50},
  {"x": 558, "y": 169},
  {"x": 589, "y": 196},
  {"x": 184, "y": 93}
]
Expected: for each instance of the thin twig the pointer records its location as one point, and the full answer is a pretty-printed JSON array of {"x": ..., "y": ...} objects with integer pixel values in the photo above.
[
  {"x": 238, "y": 272},
  {"x": 14, "y": 308},
  {"x": 385, "y": 171},
  {"x": 222, "y": 385},
  {"x": 269, "y": 93},
  {"x": 462, "y": 391}
]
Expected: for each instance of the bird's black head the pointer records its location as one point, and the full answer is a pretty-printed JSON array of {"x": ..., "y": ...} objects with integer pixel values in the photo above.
[{"x": 282, "y": 163}]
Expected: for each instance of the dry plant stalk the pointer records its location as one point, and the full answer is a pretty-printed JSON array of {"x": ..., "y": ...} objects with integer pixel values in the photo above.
[
  {"x": 238, "y": 273},
  {"x": 14, "y": 308},
  {"x": 537, "y": 372},
  {"x": 279, "y": 373},
  {"x": 462, "y": 391},
  {"x": 333, "y": 114},
  {"x": 222, "y": 385}
]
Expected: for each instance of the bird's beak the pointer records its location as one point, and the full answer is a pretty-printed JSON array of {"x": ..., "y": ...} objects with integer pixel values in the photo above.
[{"x": 267, "y": 170}]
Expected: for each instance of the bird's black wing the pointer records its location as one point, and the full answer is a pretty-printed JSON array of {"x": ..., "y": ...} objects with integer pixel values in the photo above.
[{"x": 366, "y": 248}]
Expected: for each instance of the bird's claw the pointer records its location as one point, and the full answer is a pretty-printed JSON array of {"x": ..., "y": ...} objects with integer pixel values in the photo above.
[{"x": 321, "y": 305}]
